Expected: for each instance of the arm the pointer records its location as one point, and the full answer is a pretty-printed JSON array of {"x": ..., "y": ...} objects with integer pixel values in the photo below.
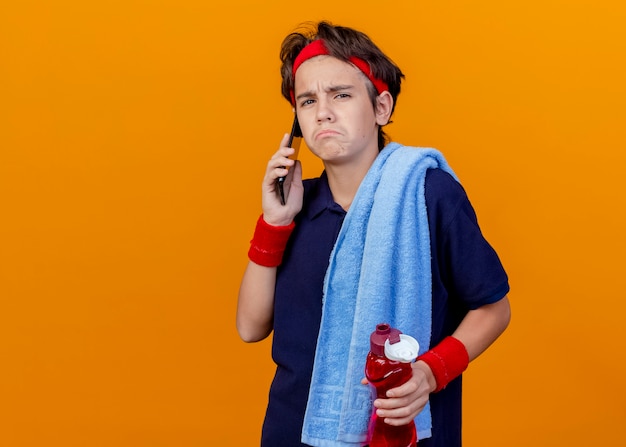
[
  {"x": 478, "y": 330},
  {"x": 482, "y": 326},
  {"x": 255, "y": 305}
]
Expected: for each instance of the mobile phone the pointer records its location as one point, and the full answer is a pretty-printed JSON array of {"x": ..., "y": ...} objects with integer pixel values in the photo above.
[{"x": 295, "y": 138}]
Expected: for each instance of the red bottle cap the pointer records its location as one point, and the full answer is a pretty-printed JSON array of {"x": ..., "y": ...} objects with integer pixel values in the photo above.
[{"x": 378, "y": 338}]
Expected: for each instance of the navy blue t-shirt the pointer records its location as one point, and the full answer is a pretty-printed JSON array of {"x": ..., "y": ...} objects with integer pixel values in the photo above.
[{"x": 466, "y": 274}]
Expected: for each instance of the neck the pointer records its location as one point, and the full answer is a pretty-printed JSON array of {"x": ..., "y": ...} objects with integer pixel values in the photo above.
[{"x": 344, "y": 180}]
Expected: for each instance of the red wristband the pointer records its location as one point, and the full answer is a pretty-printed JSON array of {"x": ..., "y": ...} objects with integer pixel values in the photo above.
[
  {"x": 269, "y": 242},
  {"x": 447, "y": 361}
]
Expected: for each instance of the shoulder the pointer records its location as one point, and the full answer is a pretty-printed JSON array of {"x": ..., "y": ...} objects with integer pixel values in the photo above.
[
  {"x": 440, "y": 185},
  {"x": 443, "y": 190},
  {"x": 312, "y": 188},
  {"x": 310, "y": 183},
  {"x": 445, "y": 198},
  {"x": 317, "y": 196}
]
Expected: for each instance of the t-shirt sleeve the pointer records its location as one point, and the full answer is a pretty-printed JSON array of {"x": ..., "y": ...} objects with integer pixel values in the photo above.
[{"x": 469, "y": 266}]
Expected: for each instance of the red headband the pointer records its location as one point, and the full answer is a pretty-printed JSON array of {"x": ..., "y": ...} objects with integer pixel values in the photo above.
[{"x": 317, "y": 48}]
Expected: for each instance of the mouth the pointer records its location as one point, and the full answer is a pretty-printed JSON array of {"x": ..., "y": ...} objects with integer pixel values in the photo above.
[{"x": 324, "y": 133}]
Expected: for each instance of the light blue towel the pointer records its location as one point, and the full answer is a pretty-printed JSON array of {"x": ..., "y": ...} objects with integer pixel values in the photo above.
[{"x": 379, "y": 271}]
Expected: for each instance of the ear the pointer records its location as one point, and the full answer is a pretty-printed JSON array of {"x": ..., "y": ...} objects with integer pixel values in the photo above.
[{"x": 384, "y": 106}]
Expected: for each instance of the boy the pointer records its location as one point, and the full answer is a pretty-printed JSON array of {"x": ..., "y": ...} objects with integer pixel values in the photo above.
[{"x": 385, "y": 234}]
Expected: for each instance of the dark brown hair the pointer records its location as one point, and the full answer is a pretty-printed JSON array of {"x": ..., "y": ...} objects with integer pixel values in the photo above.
[{"x": 342, "y": 43}]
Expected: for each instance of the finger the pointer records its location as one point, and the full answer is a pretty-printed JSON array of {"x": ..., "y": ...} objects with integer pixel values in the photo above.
[
  {"x": 398, "y": 421},
  {"x": 279, "y": 164},
  {"x": 281, "y": 156},
  {"x": 392, "y": 403},
  {"x": 283, "y": 149},
  {"x": 398, "y": 416},
  {"x": 405, "y": 389},
  {"x": 403, "y": 414}
]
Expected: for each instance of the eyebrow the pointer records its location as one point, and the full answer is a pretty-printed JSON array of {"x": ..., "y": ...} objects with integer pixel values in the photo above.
[{"x": 331, "y": 89}]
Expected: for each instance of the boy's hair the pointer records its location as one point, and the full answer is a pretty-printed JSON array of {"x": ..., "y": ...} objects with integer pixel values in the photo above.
[{"x": 342, "y": 43}]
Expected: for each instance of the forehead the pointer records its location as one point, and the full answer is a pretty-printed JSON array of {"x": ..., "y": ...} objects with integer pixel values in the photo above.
[{"x": 323, "y": 71}]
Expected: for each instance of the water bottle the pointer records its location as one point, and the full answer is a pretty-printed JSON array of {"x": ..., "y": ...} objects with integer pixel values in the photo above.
[{"x": 388, "y": 365}]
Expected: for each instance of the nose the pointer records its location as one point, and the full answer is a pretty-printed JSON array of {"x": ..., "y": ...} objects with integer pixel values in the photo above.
[{"x": 324, "y": 111}]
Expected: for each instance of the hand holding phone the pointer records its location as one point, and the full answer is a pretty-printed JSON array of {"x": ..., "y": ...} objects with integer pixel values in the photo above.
[{"x": 295, "y": 138}]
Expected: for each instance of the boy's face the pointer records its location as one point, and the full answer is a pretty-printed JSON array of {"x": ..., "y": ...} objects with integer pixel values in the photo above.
[{"x": 335, "y": 111}]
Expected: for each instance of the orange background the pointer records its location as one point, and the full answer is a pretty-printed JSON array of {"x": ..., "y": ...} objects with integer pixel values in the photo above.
[{"x": 133, "y": 138}]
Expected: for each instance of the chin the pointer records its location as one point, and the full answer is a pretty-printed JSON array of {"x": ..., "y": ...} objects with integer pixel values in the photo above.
[{"x": 331, "y": 149}]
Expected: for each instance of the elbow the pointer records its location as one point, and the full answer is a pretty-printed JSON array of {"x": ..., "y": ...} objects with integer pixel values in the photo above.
[
  {"x": 248, "y": 337},
  {"x": 505, "y": 313},
  {"x": 251, "y": 335}
]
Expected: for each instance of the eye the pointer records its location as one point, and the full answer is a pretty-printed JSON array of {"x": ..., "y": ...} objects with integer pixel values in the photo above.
[
  {"x": 306, "y": 102},
  {"x": 342, "y": 96}
]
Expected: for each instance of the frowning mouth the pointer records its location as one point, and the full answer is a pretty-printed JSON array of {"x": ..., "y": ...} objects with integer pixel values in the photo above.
[{"x": 324, "y": 133}]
